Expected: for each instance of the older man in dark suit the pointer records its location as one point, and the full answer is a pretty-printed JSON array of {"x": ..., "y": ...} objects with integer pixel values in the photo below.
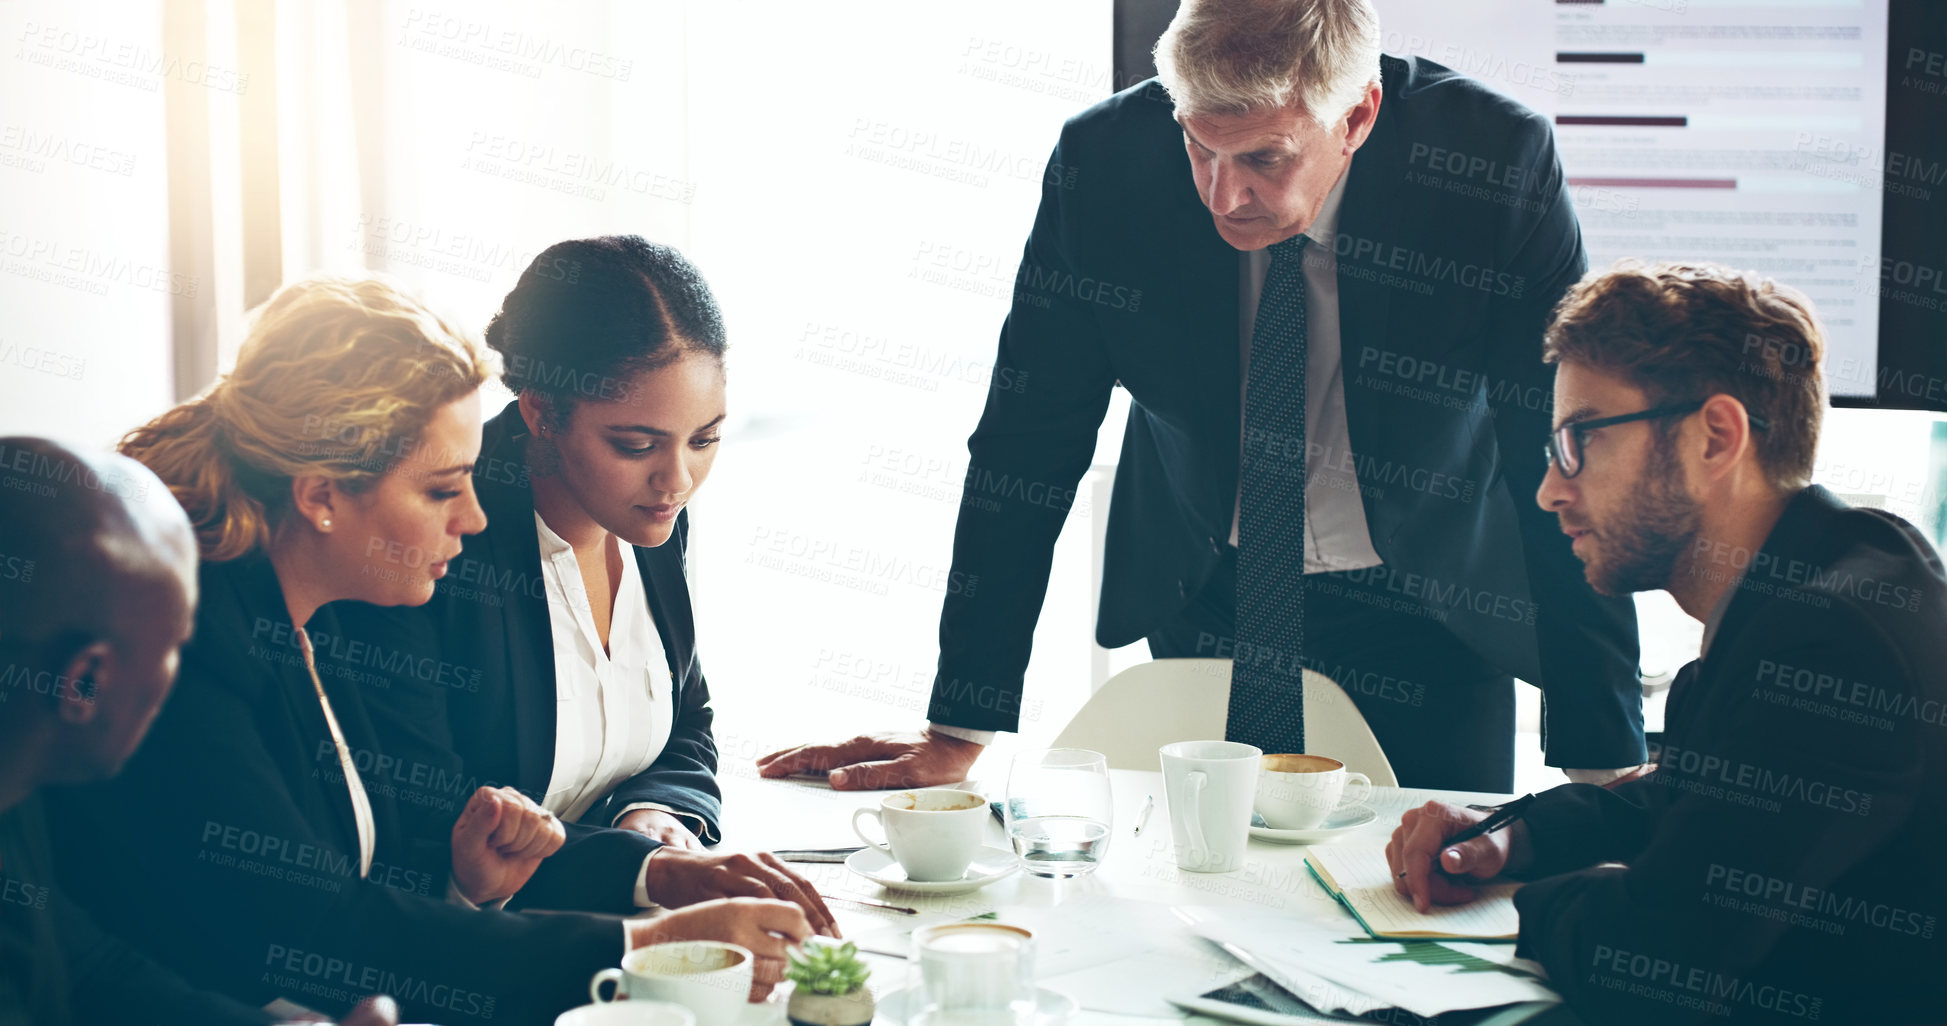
[{"x": 1322, "y": 275}]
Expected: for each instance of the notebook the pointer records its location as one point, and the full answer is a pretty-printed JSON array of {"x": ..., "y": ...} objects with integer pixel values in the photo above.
[{"x": 1362, "y": 881}]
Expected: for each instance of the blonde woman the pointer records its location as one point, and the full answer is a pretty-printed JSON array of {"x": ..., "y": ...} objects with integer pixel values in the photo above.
[{"x": 242, "y": 846}]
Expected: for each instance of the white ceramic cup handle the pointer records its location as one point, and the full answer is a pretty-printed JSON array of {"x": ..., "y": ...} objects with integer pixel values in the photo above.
[
  {"x": 1365, "y": 790},
  {"x": 1193, "y": 820},
  {"x": 874, "y": 813},
  {"x": 615, "y": 976}
]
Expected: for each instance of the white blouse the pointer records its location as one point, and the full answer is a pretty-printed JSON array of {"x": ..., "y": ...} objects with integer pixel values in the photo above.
[
  {"x": 613, "y": 710},
  {"x": 368, "y": 833}
]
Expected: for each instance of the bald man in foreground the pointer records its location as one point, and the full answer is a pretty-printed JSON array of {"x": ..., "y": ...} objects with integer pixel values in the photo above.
[{"x": 97, "y": 594}]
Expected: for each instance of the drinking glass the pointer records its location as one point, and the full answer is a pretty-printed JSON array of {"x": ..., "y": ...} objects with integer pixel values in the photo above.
[{"x": 1058, "y": 810}]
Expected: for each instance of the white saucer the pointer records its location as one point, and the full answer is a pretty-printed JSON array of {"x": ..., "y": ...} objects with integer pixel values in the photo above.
[
  {"x": 989, "y": 864},
  {"x": 1051, "y": 1007},
  {"x": 1336, "y": 825}
]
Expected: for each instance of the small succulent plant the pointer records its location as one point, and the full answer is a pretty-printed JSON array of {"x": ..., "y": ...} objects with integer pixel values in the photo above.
[{"x": 827, "y": 968}]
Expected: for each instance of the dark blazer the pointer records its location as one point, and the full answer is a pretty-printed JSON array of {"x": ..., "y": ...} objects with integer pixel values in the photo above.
[
  {"x": 227, "y": 849},
  {"x": 1782, "y": 862},
  {"x": 57, "y": 967},
  {"x": 1445, "y": 283},
  {"x": 486, "y": 713}
]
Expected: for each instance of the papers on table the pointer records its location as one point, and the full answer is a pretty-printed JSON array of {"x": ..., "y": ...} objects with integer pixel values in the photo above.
[
  {"x": 1128, "y": 957},
  {"x": 1363, "y": 881},
  {"x": 1123, "y": 956},
  {"x": 891, "y": 934},
  {"x": 1110, "y": 954},
  {"x": 1349, "y": 972}
]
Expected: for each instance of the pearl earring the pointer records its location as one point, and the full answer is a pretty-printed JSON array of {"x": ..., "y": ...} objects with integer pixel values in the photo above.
[{"x": 325, "y": 524}]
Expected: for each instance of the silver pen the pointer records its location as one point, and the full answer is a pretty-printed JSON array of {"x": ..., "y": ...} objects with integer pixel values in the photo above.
[
  {"x": 814, "y": 854},
  {"x": 1142, "y": 815},
  {"x": 869, "y": 903}
]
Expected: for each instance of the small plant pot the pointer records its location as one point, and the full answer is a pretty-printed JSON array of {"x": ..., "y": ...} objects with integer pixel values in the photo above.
[{"x": 808, "y": 1009}]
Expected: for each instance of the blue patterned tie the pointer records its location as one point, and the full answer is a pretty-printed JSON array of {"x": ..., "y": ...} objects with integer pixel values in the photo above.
[{"x": 1267, "y": 691}]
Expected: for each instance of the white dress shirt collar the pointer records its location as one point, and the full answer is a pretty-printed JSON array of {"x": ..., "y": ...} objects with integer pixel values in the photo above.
[{"x": 1325, "y": 227}]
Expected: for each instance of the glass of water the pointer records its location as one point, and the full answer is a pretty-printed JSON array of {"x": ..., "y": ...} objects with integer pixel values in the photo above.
[{"x": 1058, "y": 811}]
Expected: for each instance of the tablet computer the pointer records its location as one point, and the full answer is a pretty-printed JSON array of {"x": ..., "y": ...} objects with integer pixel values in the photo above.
[{"x": 1258, "y": 1000}]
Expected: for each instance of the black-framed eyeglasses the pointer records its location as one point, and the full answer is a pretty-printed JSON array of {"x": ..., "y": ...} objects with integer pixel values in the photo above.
[{"x": 1565, "y": 444}]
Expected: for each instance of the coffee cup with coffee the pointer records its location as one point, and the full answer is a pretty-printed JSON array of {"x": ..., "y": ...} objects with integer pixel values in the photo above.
[
  {"x": 710, "y": 978},
  {"x": 1298, "y": 792},
  {"x": 933, "y": 833},
  {"x": 627, "y": 1013},
  {"x": 975, "y": 972}
]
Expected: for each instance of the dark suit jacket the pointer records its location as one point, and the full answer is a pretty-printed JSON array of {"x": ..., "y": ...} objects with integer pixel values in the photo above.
[
  {"x": 227, "y": 848},
  {"x": 1783, "y": 860},
  {"x": 1445, "y": 282},
  {"x": 486, "y": 714},
  {"x": 57, "y": 967}
]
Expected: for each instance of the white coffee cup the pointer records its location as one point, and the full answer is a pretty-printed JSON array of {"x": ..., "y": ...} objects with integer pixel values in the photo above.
[
  {"x": 710, "y": 978},
  {"x": 932, "y": 833},
  {"x": 627, "y": 1013},
  {"x": 1297, "y": 792},
  {"x": 975, "y": 972},
  {"x": 1209, "y": 786}
]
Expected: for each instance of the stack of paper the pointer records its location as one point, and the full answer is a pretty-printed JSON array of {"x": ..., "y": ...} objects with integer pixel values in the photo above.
[
  {"x": 1387, "y": 954},
  {"x": 1350, "y": 973}
]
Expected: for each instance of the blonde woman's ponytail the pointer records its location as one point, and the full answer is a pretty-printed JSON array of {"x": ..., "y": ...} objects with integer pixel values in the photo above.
[{"x": 335, "y": 379}]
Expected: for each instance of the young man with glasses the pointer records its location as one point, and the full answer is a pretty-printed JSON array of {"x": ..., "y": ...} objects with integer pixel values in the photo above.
[{"x": 1778, "y": 865}]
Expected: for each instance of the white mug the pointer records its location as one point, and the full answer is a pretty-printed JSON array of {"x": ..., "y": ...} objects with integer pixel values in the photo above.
[
  {"x": 710, "y": 978},
  {"x": 627, "y": 1013},
  {"x": 1209, "y": 786},
  {"x": 972, "y": 971},
  {"x": 1297, "y": 792},
  {"x": 932, "y": 833}
]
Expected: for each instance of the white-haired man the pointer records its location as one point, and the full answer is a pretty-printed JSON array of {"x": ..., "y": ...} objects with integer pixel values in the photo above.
[{"x": 1322, "y": 274}]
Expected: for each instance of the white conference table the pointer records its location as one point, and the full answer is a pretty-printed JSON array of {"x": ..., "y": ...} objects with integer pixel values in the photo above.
[{"x": 771, "y": 814}]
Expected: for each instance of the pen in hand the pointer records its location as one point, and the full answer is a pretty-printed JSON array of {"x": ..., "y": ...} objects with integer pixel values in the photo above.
[{"x": 1502, "y": 816}]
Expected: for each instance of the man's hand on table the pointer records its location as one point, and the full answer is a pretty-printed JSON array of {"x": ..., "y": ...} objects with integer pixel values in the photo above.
[
  {"x": 377, "y": 1010},
  {"x": 766, "y": 927},
  {"x": 660, "y": 826},
  {"x": 676, "y": 877},
  {"x": 1420, "y": 840},
  {"x": 880, "y": 762}
]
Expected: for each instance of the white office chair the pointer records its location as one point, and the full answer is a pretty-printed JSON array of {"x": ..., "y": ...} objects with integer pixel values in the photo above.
[{"x": 1152, "y": 704}]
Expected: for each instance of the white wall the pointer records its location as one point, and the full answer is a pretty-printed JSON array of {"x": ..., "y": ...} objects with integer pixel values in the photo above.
[{"x": 84, "y": 258}]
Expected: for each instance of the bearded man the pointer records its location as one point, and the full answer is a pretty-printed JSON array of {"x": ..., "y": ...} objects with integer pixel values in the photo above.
[{"x": 1778, "y": 863}]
